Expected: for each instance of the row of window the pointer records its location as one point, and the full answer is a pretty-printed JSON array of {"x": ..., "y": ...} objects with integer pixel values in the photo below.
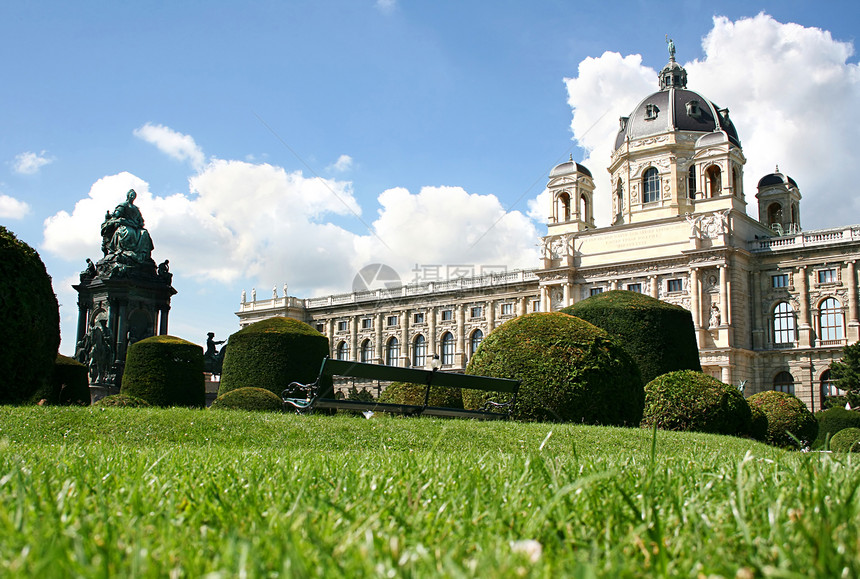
[
  {"x": 824, "y": 276},
  {"x": 713, "y": 177},
  {"x": 784, "y": 382},
  {"x": 506, "y": 309},
  {"x": 830, "y": 322},
  {"x": 418, "y": 358},
  {"x": 672, "y": 285}
]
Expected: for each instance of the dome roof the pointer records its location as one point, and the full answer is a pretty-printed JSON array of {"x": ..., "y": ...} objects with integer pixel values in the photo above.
[
  {"x": 776, "y": 178},
  {"x": 675, "y": 108},
  {"x": 569, "y": 168}
]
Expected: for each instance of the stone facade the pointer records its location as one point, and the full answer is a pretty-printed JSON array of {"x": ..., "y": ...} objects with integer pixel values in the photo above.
[{"x": 772, "y": 305}]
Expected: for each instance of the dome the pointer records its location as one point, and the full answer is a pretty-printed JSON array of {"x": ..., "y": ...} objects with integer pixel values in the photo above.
[
  {"x": 675, "y": 108},
  {"x": 776, "y": 178},
  {"x": 569, "y": 168}
]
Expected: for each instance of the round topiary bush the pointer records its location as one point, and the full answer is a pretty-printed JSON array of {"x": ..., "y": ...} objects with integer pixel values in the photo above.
[
  {"x": 272, "y": 353},
  {"x": 758, "y": 425},
  {"x": 658, "y": 335},
  {"x": 30, "y": 331},
  {"x": 833, "y": 420},
  {"x": 165, "y": 371},
  {"x": 122, "y": 400},
  {"x": 413, "y": 394},
  {"x": 787, "y": 417},
  {"x": 69, "y": 383},
  {"x": 691, "y": 401},
  {"x": 254, "y": 399},
  {"x": 570, "y": 370},
  {"x": 846, "y": 440}
]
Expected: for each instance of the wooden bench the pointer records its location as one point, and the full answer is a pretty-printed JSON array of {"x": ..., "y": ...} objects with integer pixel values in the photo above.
[{"x": 305, "y": 398}]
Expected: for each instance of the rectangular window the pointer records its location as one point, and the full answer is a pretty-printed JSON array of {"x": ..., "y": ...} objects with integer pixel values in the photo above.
[
  {"x": 596, "y": 290},
  {"x": 779, "y": 280},
  {"x": 447, "y": 315},
  {"x": 476, "y": 312},
  {"x": 367, "y": 323},
  {"x": 634, "y": 287},
  {"x": 391, "y": 321},
  {"x": 341, "y": 326},
  {"x": 507, "y": 309},
  {"x": 418, "y": 318},
  {"x": 675, "y": 285},
  {"x": 535, "y": 305},
  {"x": 827, "y": 276},
  {"x": 321, "y": 328}
]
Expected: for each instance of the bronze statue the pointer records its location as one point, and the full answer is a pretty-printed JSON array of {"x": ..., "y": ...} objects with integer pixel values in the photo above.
[
  {"x": 124, "y": 238},
  {"x": 100, "y": 355},
  {"x": 213, "y": 359}
]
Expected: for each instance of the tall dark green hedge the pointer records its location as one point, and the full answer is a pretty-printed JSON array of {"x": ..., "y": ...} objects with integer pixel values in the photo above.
[
  {"x": 659, "y": 335},
  {"x": 691, "y": 401},
  {"x": 69, "y": 383},
  {"x": 833, "y": 420},
  {"x": 571, "y": 371},
  {"x": 272, "y": 353},
  {"x": 29, "y": 321},
  {"x": 165, "y": 371},
  {"x": 787, "y": 418}
]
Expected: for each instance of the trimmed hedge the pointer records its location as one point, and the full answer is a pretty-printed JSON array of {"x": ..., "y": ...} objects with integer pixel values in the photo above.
[
  {"x": 30, "y": 328},
  {"x": 406, "y": 393},
  {"x": 123, "y": 401},
  {"x": 691, "y": 401},
  {"x": 786, "y": 416},
  {"x": 253, "y": 399},
  {"x": 165, "y": 371},
  {"x": 571, "y": 371},
  {"x": 846, "y": 440},
  {"x": 832, "y": 421},
  {"x": 659, "y": 336},
  {"x": 272, "y": 353},
  {"x": 70, "y": 383}
]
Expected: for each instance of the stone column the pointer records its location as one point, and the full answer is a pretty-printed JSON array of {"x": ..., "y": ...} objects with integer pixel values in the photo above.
[
  {"x": 522, "y": 306},
  {"x": 378, "y": 335},
  {"x": 566, "y": 298},
  {"x": 490, "y": 315},
  {"x": 121, "y": 330},
  {"x": 460, "y": 352},
  {"x": 726, "y": 374},
  {"x": 724, "y": 295},
  {"x": 853, "y": 322},
  {"x": 804, "y": 327},
  {"x": 404, "y": 338},
  {"x": 353, "y": 339},
  {"x": 83, "y": 319},
  {"x": 755, "y": 312},
  {"x": 162, "y": 321},
  {"x": 431, "y": 333},
  {"x": 329, "y": 329},
  {"x": 613, "y": 284},
  {"x": 544, "y": 299},
  {"x": 695, "y": 307},
  {"x": 655, "y": 289}
]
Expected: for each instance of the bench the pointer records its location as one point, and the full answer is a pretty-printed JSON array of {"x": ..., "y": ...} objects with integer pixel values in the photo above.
[{"x": 304, "y": 398}]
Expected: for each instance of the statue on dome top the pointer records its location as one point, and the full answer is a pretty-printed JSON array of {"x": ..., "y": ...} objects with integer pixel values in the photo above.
[{"x": 671, "y": 44}]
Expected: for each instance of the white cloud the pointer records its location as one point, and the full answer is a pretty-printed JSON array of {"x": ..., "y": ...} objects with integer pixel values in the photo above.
[
  {"x": 11, "y": 208},
  {"x": 791, "y": 92},
  {"x": 29, "y": 163},
  {"x": 175, "y": 144},
  {"x": 447, "y": 226},
  {"x": 386, "y": 6},
  {"x": 344, "y": 163}
]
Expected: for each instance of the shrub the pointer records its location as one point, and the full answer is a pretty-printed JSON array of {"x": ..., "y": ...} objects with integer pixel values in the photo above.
[
  {"x": 122, "y": 400},
  {"x": 832, "y": 421},
  {"x": 69, "y": 383},
  {"x": 695, "y": 402},
  {"x": 570, "y": 370},
  {"x": 30, "y": 332},
  {"x": 165, "y": 371},
  {"x": 406, "y": 393},
  {"x": 786, "y": 416},
  {"x": 272, "y": 353},
  {"x": 758, "y": 425},
  {"x": 255, "y": 399},
  {"x": 659, "y": 336},
  {"x": 846, "y": 440}
]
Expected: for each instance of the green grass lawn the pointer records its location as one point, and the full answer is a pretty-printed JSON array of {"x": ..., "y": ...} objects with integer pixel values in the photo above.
[{"x": 123, "y": 492}]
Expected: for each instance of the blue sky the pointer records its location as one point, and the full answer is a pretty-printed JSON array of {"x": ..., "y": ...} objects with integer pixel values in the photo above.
[{"x": 275, "y": 142}]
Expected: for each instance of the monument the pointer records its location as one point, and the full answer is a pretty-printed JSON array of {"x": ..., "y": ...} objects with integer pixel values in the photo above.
[{"x": 122, "y": 298}]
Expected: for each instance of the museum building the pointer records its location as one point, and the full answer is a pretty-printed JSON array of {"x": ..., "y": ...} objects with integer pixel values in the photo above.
[{"x": 772, "y": 305}]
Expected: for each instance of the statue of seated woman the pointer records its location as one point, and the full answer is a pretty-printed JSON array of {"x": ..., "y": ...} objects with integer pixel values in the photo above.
[{"x": 124, "y": 238}]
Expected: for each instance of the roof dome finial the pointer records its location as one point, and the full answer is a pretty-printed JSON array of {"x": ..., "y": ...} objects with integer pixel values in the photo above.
[
  {"x": 671, "y": 44},
  {"x": 673, "y": 74}
]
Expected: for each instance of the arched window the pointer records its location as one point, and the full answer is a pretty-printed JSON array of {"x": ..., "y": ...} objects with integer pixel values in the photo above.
[
  {"x": 828, "y": 386},
  {"x": 691, "y": 182},
  {"x": 564, "y": 207},
  {"x": 583, "y": 208},
  {"x": 392, "y": 352},
  {"x": 342, "y": 352},
  {"x": 784, "y": 382},
  {"x": 447, "y": 349},
  {"x": 715, "y": 184},
  {"x": 367, "y": 352},
  {"x": 419, "y": 351},
  {"x": 475, "y": 341},
  {"x": 774, "y": 213},
  {"x": 619, "y": 200},
  {"x": 830, "y": 320},
  {"x": 795, "y": 220},
  {"x": 651, "y": 186},
  {"x": 783, "y": 324}
]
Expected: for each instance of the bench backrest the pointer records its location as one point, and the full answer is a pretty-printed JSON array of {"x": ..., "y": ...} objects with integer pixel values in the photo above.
[{"x": 331, "y": 367}]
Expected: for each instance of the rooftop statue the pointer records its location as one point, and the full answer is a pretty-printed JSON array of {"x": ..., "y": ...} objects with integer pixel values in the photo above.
[{"x": 125, "y": 242}]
